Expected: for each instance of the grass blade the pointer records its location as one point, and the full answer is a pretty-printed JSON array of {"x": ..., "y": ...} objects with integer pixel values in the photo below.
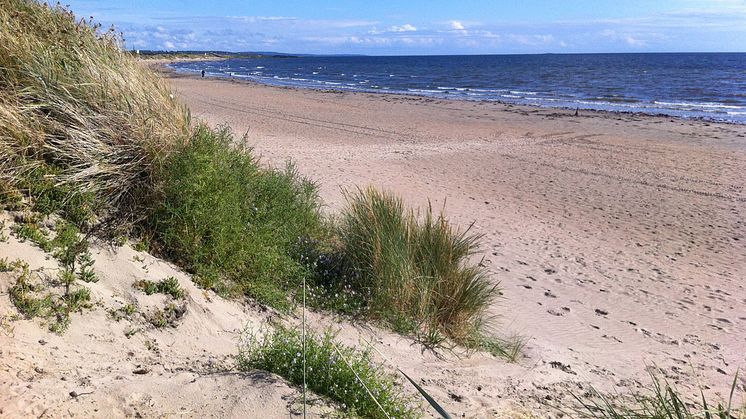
[{"x": 438, "y": 408}]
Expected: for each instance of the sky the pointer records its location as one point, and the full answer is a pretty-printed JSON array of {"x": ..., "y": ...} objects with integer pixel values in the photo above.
[{"x": 424, "y": 27}]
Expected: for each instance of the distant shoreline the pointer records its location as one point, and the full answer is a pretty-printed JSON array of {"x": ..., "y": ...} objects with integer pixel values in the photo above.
[{"x": 162, "y": 66}]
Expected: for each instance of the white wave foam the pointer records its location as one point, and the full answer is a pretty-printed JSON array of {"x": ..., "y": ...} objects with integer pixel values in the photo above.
[{"x": 698, "y": 105}]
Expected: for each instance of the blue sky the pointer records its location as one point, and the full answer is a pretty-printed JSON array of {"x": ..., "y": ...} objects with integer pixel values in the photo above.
[{"x": 383, "y": 27}]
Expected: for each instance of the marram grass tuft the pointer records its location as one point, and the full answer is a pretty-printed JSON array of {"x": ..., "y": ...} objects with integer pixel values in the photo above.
[
  {"x": 79, "y": 111},
  {"x": 417, "y": 269}
]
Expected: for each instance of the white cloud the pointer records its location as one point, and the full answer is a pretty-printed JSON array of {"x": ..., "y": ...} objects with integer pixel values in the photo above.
[
  {"x": 403, "y": 28},
  {"x": 169, "y": 45},
  {"x": 457, "y": 26}
]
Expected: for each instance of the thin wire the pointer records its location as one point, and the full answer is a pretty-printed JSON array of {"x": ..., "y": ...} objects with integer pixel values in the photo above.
[
  {"x": 360, "y": 380},
  {"x": 304, "y": 347}
]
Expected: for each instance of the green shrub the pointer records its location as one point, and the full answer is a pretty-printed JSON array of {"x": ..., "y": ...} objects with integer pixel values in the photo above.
[
  {"x": 27, "y": 296},
  {"x": 332, "y": 281},
  {"x": 169, "y": 286},
  {"x": 68, "y": 247},
  {"x": 417, "y": 270},
  {"x": 327, "y": 373},
  {"x": 33, "y": 299},
  {"x": 231, "y": 222},
  {"x": 31, "y": 232}
]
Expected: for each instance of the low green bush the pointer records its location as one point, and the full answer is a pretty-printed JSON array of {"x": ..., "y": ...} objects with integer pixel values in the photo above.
[
  {"x": 231, "y": 222},
  {"x": 33, "y": 298},
  {"x": 169, "y": 286},
  {"x": 327, "y": 373}
]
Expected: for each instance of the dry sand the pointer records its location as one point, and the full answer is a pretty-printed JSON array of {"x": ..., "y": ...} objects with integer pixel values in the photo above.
[{"x": 618, "y": 241}]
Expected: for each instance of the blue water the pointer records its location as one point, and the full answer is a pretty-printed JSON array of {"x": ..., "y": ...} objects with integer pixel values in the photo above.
[{"x": 706, "y": 85}]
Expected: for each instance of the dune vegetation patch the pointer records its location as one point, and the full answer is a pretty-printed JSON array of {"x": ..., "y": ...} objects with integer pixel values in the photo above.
[
  {"x": 82, "y": 124},
  {"x": 661, "y": 400},
  {"x": 232, "y": 223},
  {"x": 97, "y": 139},
  {"x": 346, "y": 375},
  {"x": 416, "y": 268}
]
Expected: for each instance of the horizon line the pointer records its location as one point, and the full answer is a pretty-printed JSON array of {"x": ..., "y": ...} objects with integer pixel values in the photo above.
[{"x": 301, "y": 54}]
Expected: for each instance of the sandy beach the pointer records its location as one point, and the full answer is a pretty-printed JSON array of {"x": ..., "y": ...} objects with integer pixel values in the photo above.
[
  {"x": 618, "y": 239},
  {"x": 165, "y": 254}
]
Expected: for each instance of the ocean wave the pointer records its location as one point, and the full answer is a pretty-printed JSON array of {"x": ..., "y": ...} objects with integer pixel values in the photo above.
[
  {"x": 490, "y": 90},
  {"x": 697, "y": 105},
  {"x": 423, "y": 91}
]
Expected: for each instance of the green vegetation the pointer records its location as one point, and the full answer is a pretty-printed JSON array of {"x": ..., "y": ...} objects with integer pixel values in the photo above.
[
  {"x": 417, "y": 271},
  {"x": 169, "y": 316},
  {"x": 511, "y": 349},
  {"x": 332, "y": 370},
  {"x": 32, "y": 232},
  {"x": 68, "y": 247},
  {"x": 24, "y": 295},
  {"x": 33, "y": 299},
  {"x": 663, "y": 401},
  {"x": 3, "y": 235},
  {"x": 82, "y": 125},
  {"x": 126, "y": 311},
  {"x": 97, "y": 140},
  {"x": 333, "y": 281},
  {"x": 231, "y": 223},
  {"x": 169, "y": 286}
]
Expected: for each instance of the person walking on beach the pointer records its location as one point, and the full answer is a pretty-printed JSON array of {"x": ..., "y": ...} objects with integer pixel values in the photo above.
[{"x": 203, "y": 73}]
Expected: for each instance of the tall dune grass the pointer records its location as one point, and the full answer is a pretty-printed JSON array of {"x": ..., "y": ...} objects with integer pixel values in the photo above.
[
  {"x": 662, "y": 400},
  {"x": 418, "y": 270},
  {"x": 78, "y": 110}
]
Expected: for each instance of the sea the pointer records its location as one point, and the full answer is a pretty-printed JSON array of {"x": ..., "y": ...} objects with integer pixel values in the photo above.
[{"x": 709, "y": 86}]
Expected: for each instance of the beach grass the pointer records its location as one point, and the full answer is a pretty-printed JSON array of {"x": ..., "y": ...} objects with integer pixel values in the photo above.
[
  {"x": 83, "y": 124},
  {"x": 417, "y": 268},
  {"x": 662, "y": 400}
]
